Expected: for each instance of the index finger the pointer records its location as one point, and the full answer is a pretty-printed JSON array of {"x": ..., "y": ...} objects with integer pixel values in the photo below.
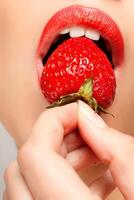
[
  {"x": 53, "y": 125},
  {"x": 49, "y": 175}
]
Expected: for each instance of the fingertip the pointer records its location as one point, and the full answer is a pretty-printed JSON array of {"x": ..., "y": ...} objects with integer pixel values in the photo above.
[
  {"x": 87, "y": 113},
  {"x": 94, "y": 131}
]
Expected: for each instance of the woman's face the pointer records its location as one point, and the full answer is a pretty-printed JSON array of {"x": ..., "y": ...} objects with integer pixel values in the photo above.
[{"x": 21, "y": 100}]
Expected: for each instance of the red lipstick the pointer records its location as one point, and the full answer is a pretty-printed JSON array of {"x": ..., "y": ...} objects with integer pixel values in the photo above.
[
  {"x": 59, "y": 58},
  {"x": 83, "y": 16}
]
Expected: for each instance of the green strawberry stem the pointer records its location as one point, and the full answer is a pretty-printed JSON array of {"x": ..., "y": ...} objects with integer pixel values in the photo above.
[{"x": 85, "y": 93}]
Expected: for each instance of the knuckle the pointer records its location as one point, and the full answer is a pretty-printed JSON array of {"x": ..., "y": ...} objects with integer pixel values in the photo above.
[{"x": 27, "y": 155}]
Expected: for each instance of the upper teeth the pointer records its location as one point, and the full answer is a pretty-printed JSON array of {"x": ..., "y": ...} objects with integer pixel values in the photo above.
[{"x": 78, "y": 31}]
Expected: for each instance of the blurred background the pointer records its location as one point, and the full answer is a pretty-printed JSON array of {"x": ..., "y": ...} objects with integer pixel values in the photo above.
[{"x": 7, "y": 154}]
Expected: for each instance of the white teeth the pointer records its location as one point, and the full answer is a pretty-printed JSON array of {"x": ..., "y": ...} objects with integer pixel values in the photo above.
[
  {"x": 92, "y": 34},
  {"x": 77, "y": 31},
  {"x": 65, "y": 31}
]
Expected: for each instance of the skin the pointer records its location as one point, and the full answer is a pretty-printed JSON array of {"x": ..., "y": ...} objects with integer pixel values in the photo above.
[
  {"x": 21, "y": 101},
  {"x": 55, "y": 174}
]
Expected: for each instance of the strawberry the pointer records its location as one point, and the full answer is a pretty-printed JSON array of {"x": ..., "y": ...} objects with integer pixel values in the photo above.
[{"x": 78, "y": 69}]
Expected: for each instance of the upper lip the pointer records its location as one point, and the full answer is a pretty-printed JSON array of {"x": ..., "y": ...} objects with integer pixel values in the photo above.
[{"x": 85, "y": 16}]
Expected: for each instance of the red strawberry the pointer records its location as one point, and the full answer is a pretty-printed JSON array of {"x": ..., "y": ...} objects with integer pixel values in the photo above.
[{"x": 73, "y": 62}]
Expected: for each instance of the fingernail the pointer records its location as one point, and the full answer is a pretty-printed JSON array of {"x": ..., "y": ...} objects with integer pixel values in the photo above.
[{"x": 90, "y": 114}]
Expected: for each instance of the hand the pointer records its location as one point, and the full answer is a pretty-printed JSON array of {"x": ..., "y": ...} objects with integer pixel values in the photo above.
[{"x": 46, "y": 169}]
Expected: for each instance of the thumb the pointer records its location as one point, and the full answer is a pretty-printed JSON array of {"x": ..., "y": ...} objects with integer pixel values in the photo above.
[
  {"x": 111, "y": 147},
  {"x": 96, "y": 133},
  {"x": 106, "y": 142}
]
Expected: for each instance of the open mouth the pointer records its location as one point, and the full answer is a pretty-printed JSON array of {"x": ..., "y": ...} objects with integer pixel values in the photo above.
[
  {"x": 67, "y": 27},
  {"x": 78, "y": 21},
  {"x": 79, "y": 31}
]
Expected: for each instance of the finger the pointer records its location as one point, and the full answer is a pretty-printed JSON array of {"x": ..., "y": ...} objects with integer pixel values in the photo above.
[
  {"x": 103, "y": 186},
  {"x": 53, "y": 125},
  {"x": 77, "y": 153},
  {"x": 72, "y": 141},
  {"x": 15, "y": 185},
  {"x": 48, "y": 174},
  {"x": 82, "y": 157},
  {"x": 112, "y": 147},
  {"x": 5, "y": 197}
]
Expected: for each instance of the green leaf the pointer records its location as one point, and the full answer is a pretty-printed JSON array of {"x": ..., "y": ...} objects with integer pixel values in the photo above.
[
  {"x": 65, "y": 100},
  {"x": 102, "y": 110},
  {"x": 85, "y": 94},
  {"x": 86, "y": 89}
]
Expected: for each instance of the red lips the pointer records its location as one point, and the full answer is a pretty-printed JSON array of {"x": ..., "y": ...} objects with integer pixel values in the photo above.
[
  {"x": 91, "y": 18},
  {"x": 85, "y": 16}
]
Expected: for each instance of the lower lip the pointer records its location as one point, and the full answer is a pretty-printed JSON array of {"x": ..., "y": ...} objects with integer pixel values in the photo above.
[{"x": 85, "y": 16}]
